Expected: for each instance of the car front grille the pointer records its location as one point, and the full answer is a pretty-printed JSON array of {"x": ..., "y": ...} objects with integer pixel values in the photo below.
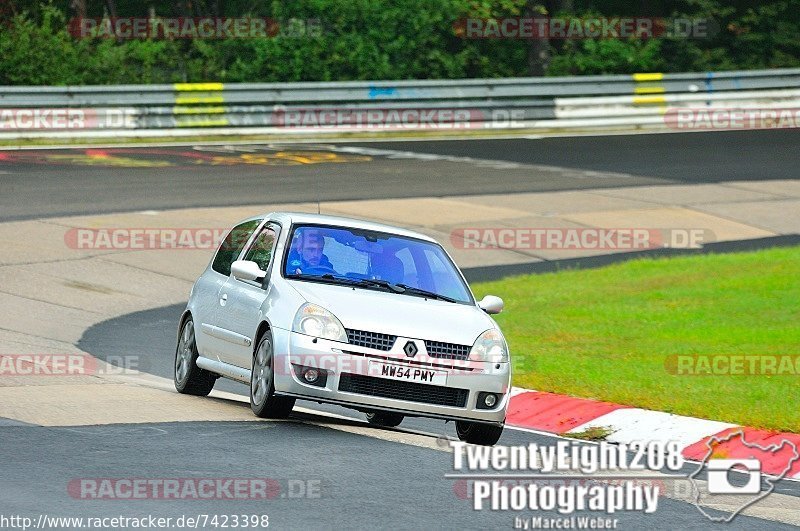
[
  {"x": 385, "y": 342},
  {"x": 374, "y": 340},
  {"x": 411, "y": 391},
  {"x": 449, "y": 351}
]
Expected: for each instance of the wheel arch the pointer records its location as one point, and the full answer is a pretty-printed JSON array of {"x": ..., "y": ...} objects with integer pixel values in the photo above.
[
  {"x": 187, "y": 313},
  {"x": 263, "y": 327}
]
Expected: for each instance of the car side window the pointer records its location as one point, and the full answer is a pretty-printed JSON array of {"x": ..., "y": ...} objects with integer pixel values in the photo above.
[
  {"x": 232, "y": 245},
  {"x": 261, "y": 250}
]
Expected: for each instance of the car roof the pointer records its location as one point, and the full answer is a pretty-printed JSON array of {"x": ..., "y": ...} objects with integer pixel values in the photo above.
[{"x": 324, "y": 219}]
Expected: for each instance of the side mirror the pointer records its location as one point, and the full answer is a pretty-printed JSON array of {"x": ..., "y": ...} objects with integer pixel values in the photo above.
[
  {"x": 491, "y": 304},
  {"x": 247, "y": 270}
]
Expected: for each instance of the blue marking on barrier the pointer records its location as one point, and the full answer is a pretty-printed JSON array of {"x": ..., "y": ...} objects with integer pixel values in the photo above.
[
  {"x": 709, "y": 84},
  {"x": 374, "y": 92}
]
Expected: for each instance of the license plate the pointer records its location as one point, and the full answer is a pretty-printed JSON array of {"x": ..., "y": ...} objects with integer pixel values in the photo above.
[{"x": 410, "y": 374}]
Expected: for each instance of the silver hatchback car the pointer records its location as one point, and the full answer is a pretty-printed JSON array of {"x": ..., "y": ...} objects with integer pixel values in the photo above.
[{"x": 343, "y": 311}]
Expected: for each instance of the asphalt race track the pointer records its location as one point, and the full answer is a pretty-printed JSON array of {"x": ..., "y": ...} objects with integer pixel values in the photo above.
[
  {"x": 53, "y": 183},
  {"x": 328, "y": 468},
  {"x": 359, "y": 482},
  {"x": 688, "y": 158},
  {"x": 409, "y": 491}
]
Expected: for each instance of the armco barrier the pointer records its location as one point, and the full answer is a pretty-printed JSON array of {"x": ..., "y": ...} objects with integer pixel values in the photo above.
[{"x": 591, "y": 102}]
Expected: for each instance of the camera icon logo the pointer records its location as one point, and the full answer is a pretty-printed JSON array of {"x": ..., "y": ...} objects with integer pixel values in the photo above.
[
  {"x": 739, "y": 481},
  {"x": 719, "y": 472}
]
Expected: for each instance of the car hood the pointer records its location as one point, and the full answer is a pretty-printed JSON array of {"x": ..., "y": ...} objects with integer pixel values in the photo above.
[{"x": 397, "y": 314}]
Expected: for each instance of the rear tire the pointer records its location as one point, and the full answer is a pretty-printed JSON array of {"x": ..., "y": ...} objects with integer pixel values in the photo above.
[
  {"x": 477, "y": 433},
  {"x": 384, "y": 419},
  {"x": 263, "y": 401},
  {"x": 189, "y": 378}
]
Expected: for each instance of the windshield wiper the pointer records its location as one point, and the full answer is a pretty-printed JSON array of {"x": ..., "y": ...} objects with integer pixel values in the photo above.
[
  {"x": 333, "y": 279},
  {"x": 327, "y": 277},
  {"x": 397, "y": 288},
  {"x": 425, "y": 293}
]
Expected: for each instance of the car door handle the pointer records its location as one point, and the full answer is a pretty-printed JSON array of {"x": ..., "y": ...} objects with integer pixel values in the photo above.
[{"x": 223, "y": 300}]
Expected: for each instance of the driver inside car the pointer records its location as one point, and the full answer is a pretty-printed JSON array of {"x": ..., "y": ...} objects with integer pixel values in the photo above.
[
  {"x": 309, "y": 253},
  {"x": 386, "y": 266}
]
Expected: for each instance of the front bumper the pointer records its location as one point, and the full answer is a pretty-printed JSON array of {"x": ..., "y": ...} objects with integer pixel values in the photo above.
[{"x": 343, "y": 364}]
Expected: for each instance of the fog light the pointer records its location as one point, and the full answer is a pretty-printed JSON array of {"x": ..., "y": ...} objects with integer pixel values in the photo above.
[
  {"x": 490, "y": 400},
  {"x": 311, "y": 375}
]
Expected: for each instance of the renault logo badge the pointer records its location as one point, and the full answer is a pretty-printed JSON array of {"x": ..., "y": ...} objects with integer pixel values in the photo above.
[{"x": 410, "y": 349}]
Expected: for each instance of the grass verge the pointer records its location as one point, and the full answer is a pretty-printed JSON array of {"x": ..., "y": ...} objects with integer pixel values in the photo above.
[{"x": 614, "y": 333}]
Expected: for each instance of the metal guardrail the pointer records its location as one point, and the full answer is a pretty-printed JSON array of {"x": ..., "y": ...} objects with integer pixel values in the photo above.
[{"x": 638, "y": 100}]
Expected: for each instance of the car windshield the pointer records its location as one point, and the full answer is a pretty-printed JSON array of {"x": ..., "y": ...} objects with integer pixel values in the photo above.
[{"x": 373, "y": 260}]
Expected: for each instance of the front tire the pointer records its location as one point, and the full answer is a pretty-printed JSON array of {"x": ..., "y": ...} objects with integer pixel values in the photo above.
[
  {"x": 263, "y": 401},
  {"x": 189, "y": 378},
  {"x": 384, "y": 419},
  {"x": 477, "y": 433}
]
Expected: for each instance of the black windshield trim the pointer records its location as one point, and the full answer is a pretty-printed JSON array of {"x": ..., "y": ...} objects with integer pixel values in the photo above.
[
  {"x": 373, "y": 287},
  {"x": 294, "y": 226}
]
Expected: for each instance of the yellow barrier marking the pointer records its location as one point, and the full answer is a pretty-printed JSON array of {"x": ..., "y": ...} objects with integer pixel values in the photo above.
[
  {"x": 187, "y": 100},
  {"x": 648, "y": 77},
  {"x": 201, "y": 123},
  {"x": 208, "y": 87},
  {"x": 198, "y": 110},
  {"x": 648, "y": 90},
  {"x": 647, "y": 100}
]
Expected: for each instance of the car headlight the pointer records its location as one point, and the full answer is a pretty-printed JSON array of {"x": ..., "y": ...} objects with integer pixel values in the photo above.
[
  {"x": 313, "y": 320},
  {"x": 490, "y": 346}
]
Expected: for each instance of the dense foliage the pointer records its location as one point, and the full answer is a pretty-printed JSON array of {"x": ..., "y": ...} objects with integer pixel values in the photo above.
[{"x": 382, "y": 39}]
